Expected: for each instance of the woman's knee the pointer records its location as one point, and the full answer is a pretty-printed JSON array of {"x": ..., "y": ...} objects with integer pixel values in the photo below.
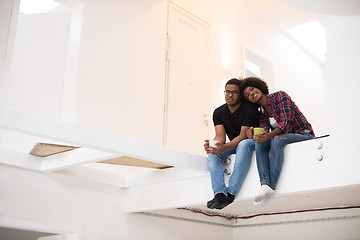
[
  {"x": 265, "y": 146},
  {"x": 278, "y": 141}
]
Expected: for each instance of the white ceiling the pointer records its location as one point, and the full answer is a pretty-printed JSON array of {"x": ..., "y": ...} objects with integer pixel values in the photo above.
[{"x": 279, "y": 14}]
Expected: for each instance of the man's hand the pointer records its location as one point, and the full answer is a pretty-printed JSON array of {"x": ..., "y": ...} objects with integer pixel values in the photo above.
[
  {"x": 207, "y": 146},
  {"x": 219, "y": 148},
  {"x": 250, "y": 133}
]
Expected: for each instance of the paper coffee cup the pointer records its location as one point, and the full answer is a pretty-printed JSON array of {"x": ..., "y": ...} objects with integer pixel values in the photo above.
[
  {"x": 212, "y": 143},
  {"x": 258, "y": 130}
]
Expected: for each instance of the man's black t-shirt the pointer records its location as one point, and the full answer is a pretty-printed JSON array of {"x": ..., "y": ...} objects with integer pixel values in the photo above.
[{"x": 246, "y": 115}]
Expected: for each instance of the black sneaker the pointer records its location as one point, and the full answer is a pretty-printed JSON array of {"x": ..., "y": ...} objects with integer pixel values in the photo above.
[
  {"x": 230, "y": 198},
  {"x": 218, "y": 202}
]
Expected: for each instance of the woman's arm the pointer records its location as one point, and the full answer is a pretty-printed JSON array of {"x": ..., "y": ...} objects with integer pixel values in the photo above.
[{"x": 286, "y": 115}]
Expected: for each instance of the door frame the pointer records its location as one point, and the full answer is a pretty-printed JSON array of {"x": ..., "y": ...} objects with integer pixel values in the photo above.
[{"x": 174, "y": 7}]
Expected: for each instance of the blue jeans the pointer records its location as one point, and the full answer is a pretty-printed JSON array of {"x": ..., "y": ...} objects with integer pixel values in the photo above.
[
  {"x": 270, "y": 156},
  {"x": 241, "y": 167}
]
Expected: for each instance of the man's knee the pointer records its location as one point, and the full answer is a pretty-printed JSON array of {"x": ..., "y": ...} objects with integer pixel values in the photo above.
[
  {"x": 212, "y": 157},
  {"x": 246, "y": 144}
]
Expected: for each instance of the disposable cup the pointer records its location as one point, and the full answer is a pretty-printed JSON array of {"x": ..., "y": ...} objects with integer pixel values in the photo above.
[{"x": 212, "y": 143}]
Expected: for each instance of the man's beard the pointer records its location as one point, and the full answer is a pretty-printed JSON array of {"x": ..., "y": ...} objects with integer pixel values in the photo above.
[{"x": 234, "y": 104}]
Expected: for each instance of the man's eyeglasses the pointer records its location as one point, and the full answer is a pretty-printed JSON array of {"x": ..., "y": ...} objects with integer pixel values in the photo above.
[{"x": 227, "y": 92}]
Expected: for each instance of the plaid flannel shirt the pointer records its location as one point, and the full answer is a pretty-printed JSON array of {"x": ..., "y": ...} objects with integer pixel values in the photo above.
[{"x": 286, "y": 113}]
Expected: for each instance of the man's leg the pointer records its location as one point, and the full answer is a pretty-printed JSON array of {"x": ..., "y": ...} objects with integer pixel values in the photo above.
[
  {"x": 216, "y": 168},
  {"x": 241, "y": 165}
]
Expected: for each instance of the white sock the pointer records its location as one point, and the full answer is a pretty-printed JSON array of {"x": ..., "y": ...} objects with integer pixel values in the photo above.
[
  {"x": 265, "y": 192},
  {"x": 266, "y": 200}
]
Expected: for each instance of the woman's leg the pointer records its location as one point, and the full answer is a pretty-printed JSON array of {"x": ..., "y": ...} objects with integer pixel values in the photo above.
[
  {"x": 277, "y": 153},
  {"x": 263, "y": 161},
  {"x": 263, "y": 166}
]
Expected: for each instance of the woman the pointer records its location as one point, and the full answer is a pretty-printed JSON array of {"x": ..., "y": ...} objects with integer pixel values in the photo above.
[{"x": 283, "y": 123}]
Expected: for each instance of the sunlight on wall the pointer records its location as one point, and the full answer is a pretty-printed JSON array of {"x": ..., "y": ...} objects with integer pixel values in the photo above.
[
  {"x": 37, "y": 6},
  {"x": 310, "y": 35},
  {"x": 252, "y": 68},
  {"x": 226, "y": 53}
]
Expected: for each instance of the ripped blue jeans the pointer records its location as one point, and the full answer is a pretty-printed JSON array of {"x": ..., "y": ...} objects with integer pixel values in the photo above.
[
  {"x": 270, "y": 156},
  {"x": 242, "y": 163}
]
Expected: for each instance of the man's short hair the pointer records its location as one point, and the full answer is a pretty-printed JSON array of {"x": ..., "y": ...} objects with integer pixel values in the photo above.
[{"x": 234, "y": 81}]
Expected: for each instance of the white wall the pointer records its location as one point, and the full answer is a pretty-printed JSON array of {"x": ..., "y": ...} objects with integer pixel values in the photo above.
[
  {"x": 343, "y": 76},
  {"x": 122, "y": 63},
  {"x": 340, "y": 229},
  {"x": 5, "y": 13},
  {"x": 38, "y": 63},
  {"x": 121, "y": 85},
  {"x": 122, "y": 68},
  {"x": 55, "y": 200},
  {"x": 233, "y": 27},
  {"x": 159, "y": 228},
  {"x": 121, "y": 77},
  {"x": 93, "y": 209}
]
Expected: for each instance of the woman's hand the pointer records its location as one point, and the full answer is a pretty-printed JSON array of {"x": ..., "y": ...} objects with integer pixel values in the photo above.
[{"x": 262, "y": 137}]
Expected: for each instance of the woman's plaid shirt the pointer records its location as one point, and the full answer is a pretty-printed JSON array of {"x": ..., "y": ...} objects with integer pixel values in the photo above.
[{"x": 286, "y": 113}]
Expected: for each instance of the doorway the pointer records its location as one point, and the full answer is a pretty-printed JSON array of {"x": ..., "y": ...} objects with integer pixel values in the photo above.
[{"x": 258, "y": 66}]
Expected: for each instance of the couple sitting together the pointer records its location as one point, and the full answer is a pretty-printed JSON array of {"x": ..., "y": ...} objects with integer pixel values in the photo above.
[{"x": 248, "y": 105}]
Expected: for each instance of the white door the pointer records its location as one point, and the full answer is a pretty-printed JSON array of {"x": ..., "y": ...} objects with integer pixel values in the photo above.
[{"x": 187, "y": 117}]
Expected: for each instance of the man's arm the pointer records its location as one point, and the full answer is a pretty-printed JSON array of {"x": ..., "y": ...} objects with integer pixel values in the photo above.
[
  {"x": 233, "y": 143},
  {"x": 222, "y": 146},
  {"x": 220, "y": 136}
]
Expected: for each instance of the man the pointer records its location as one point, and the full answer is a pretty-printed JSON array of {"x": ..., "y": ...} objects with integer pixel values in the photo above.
[{"x": 233, "y": 119}]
